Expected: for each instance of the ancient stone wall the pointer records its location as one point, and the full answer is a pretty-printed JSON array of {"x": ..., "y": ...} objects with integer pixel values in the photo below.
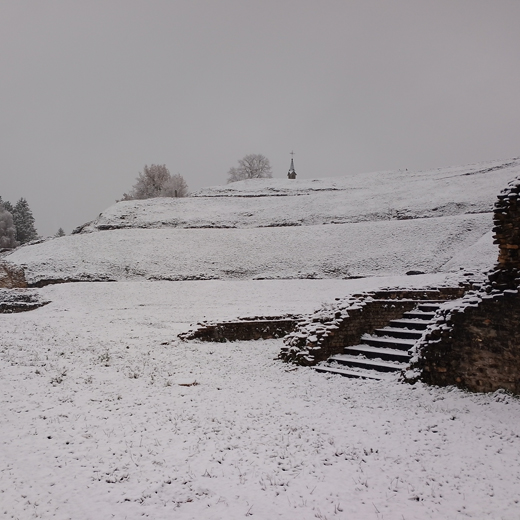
[
  {"x": 506, "y": 218},
  {"x": 14, "y": 295},
  {"x": 11, "y": 276},
  {"x": 507, "y": 227},
  {"x": 475, "y": 343}
]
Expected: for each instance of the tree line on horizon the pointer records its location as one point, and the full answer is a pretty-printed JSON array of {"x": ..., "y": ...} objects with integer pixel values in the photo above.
[{"x": 16, "y": 224}]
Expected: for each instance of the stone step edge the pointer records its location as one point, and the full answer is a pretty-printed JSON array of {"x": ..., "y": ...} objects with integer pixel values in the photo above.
[
  {"x": 404, "y": 321},
  {"x": 397, "y": 330},
  {"x": 418, "y": 315},
  {"x": 362, "y": 374},
  {"x": 365, "y": 361},
  {"x": 393, "y": 341},
  {"x": 376, "y": 350}
]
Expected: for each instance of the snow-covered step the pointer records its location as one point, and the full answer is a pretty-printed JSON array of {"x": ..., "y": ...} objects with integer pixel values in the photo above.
[
  {"x": 386, "y": 354},
  {"x": 419, "y": 315},
  {"x": 395, "y": 332},
  {"x": 382, "y": 342},
  {"x": 372, "y": 364},
  {"x": 429, "y": 307},
  {"x": 355, "y": 373},
  {"x": 409, "y": 324}
]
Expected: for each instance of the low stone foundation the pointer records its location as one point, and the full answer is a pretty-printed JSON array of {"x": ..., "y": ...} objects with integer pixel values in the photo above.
[
  {"x": 242, "y": 330},
  {"x": 19, "y": 300}
]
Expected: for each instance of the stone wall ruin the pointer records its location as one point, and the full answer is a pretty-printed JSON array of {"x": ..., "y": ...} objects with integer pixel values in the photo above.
[
  {"x": 342, "y": 324},
  {"x": 475, "y": 342},
  {"x": 11, "y": 276}
]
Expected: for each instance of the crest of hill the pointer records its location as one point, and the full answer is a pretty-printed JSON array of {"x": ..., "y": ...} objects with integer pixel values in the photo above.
[{"x": 361, "y": 197}]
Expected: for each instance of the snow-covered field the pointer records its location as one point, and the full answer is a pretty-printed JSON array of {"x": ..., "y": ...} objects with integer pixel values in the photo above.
[{"x": 106, "y": 414}]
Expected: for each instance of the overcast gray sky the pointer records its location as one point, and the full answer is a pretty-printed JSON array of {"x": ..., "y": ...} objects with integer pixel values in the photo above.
[{"x": 92, "y": 91}]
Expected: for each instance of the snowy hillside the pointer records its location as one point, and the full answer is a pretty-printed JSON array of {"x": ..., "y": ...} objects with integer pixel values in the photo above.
[
  {"x": 354, "y": 198},
  {"x": 107, "y": 414},
  {"x": 362, "y": 225},
  {"x": 328, "y": 251}
]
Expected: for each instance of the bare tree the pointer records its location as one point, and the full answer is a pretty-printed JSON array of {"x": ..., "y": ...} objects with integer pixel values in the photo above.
[
  {"x": 175, "y": 186},
  {"x": 252, "y": 166},
  {"x": 156, "y": 181}
]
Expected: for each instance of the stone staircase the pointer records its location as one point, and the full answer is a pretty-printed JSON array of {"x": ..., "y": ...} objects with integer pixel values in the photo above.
[{"x": 385, "y": 351}]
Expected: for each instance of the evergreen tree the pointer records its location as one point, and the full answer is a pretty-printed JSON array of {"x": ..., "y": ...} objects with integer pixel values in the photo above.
[
  {"x": 24, "y": 222},
  {"x": 60, "y": 233},
  {"x": 7, "y": 206},
  {"x": 7, "y": 229}
]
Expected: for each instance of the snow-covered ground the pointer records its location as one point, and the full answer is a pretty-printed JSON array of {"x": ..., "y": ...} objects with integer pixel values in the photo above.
[{"x": 105, "y": 414}]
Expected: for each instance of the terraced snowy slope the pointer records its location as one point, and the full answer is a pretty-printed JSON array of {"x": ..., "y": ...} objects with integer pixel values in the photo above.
[
  {"x": 363, "y": 197},
  {"x": 362, "y": 225}
]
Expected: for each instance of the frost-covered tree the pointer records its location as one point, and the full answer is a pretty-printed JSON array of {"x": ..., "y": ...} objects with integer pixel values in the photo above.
[
  {"x": 7, "y": 229},
  {"x": 175, "y": 186},
  {"x": 156, "y": 181},
  {"x": 24, "y": 222},
  {"x": 252, "y": 166},
  {"x": 7, "y": 205},
  {"x": 60, "y": 233}
]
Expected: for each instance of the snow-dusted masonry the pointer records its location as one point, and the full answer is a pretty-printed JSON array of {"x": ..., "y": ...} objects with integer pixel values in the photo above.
[
  {"x": 14, "y": 295},
  {"x": 342, "y": 324},
  {"x": 11, "y": 276},
  {"x": 242, "y": 329},
  {"x": 20, "y": 300},
  {"x": 475, "y": 342},
  {"x": 472, "y": 344}
]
